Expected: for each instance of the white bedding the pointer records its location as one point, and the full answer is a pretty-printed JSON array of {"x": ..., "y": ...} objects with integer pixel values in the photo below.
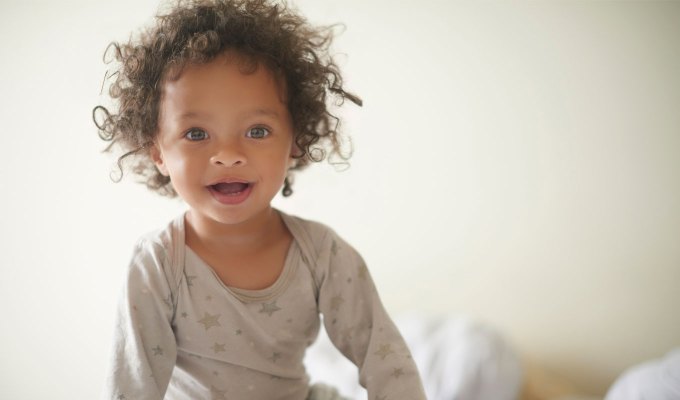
[
  {"x": 457, "y": 358},
  {"x": 652, "y": 380}
]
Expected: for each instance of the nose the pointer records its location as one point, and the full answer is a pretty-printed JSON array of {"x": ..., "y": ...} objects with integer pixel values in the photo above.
[{"x": 229, "y": 155}]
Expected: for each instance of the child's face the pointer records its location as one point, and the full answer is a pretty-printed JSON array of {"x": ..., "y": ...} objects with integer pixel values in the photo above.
[{"x": 225, "y": 139}]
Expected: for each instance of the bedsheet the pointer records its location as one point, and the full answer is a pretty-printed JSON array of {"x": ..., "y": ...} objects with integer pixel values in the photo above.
[{"x": 458, "y": 358}]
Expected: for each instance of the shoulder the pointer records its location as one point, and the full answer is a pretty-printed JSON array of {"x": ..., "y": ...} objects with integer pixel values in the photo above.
[
  {"x": 319, "y": 234},
  {"x": 160, "y": 249},
  {"x": 164, "y": 235},
  {"x": 310, "y": 227},
  {"x": 324, "y": 239}
]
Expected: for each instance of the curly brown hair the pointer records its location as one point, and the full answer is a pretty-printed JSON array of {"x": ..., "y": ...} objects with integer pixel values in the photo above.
[{"x": 197, "y": 31}]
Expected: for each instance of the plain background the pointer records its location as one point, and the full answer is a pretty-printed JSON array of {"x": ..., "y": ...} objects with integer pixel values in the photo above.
[{"x": 515, "y": 162}]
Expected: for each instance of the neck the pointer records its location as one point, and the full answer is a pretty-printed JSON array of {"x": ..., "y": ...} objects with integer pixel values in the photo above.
[{"x": 247, "y": 235}]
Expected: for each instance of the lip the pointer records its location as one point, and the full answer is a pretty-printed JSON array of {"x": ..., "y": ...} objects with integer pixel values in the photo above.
[
  {"x": 229, "y": 180},
  {"x": 233, "y": 198}
]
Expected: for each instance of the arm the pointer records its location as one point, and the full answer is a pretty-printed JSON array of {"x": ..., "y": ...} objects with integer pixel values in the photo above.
[
  {"x": 361, "y": 329},
  {"x": 144, "y": 350}
]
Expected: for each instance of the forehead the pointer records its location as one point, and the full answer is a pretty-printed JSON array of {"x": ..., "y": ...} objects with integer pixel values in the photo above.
[{"x": 230, "y": 80}]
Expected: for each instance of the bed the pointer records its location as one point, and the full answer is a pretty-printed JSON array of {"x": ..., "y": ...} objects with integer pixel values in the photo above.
[
  {"x": 457, "y": 358},
  {"x": 461, "y": 359}
]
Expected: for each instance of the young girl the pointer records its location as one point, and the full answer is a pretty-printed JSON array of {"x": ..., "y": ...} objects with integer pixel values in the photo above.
[{"x": 218, "y": 103}]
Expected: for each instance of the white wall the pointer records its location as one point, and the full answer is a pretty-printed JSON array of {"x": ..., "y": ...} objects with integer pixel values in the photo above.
[{"x": 519, "y": 163}]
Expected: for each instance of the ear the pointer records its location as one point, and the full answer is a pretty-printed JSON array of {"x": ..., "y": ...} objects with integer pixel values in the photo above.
[
  {"x": 294, "y": 156},
  {"x": 295, "y": 151},
  {"x": 157, "y": 158}
]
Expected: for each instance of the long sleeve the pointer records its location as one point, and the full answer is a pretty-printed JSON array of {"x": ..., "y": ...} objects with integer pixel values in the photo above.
[
  {"x": 361, "y": 329},
  {"x": 145, "y": 349}
]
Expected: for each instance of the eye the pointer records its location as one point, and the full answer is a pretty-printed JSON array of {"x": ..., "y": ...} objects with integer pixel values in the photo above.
[
  {"x": 196, "y": 134},
  {"x": 258, "y": 132}
]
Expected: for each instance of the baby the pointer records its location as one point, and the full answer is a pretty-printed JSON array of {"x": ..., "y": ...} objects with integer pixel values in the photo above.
[{"x": 217, "y": 104}]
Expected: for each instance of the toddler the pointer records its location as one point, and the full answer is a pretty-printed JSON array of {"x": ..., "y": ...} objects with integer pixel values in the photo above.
[{"x": 217, "y": 104}]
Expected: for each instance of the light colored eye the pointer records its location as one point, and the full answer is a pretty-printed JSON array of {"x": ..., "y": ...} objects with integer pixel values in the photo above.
[
  {"x": 258, "y": 132},
  {"x": 195, "y": 134}
]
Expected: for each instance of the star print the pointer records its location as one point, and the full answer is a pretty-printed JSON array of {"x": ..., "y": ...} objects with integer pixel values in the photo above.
[
  {"x": 209, "y": 321},
  {"x": 336, "y": 302},
  {"x": 190, "y": 280},
  {"x": 309, "y": 330},
  {"x": 239, "y": 332},
  {"x": 349, "y": 280},
  {"x": 397, "y": 373},
  {"x": 334, "y": 248},
  {"x": 275, "y": 356},
  {"x": 157, "y": 351},
  {"x": 208, "y": 298},
  {"x": 385, "y": 350},
  {"x": 215, "y": 393},
  {"x": 347, "y": 334},
  {"x": 363, "y": 272},
  {"x": 217, "y": 347},
  {"x": 269, "y": 308},
  {"x": 121, "y": 397},
  {"x": 184, "y": 315}
]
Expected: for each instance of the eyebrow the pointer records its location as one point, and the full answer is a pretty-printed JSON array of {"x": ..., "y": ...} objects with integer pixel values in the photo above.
[
  {"x": 263, "y": 112},
  {"x": 256, "y": 112},
  {"x": 189, "y": 115}
]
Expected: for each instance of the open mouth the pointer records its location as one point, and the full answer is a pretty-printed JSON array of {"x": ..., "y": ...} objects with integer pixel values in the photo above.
[
  {"x": 230, "y": 188},
  {"x": 231, "y": 193}
]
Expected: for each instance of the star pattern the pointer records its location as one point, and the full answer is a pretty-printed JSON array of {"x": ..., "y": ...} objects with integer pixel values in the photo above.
[
  {"x": 363, "y": 272},
  {"x": 218, "y": 347},
  {"x": 269, "y": 308},
  {"x": 275, "y": 356},
  {"x": 215, "y": 393},
  {"x": 397, "y": 372},
  {"x": 209, "y": 321},
  {"x": 385, "y": 350},
  {"x": 168, "y": 301},
  {"x": 336, "y": 302},
  {"x": 347, "y": 334},
  {"x": 309, "y": 330},
  {"x": 296, "y": 314}
]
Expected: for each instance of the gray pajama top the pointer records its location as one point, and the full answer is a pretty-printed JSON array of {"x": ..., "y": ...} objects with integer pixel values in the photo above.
[{"x": 182, "y": 334}]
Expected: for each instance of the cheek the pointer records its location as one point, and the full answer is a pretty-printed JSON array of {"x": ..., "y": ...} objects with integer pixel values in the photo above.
[{"x": 180, "y": 168}]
